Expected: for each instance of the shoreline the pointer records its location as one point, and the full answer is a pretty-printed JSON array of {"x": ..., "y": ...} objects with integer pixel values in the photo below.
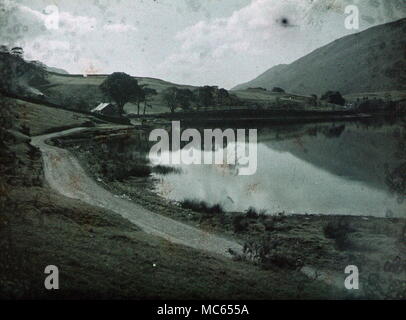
[{"x": 300, "y": 241}]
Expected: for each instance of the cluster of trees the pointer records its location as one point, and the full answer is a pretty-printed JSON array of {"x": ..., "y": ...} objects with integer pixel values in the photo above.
[
  {"x": 15, "y": 51},
  {"x": 334, "y": 97},
  {"x": 122, "y": 88},
  {"x": 175, "y": 97},
  {"x": 13, "y": 67},
  {"x": 278, "y": 90},
  {"x": 274, "y": 89},
  {"x": 202, "y": 97}
]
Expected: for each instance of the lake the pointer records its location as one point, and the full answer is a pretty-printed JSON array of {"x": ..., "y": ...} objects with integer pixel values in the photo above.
[{"x": 343, "y": 168}]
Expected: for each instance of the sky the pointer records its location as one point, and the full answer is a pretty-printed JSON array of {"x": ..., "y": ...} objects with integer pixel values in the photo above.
[{"x": 196, "y": 42}]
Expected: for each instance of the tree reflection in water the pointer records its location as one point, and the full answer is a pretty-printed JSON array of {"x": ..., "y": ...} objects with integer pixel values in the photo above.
[{"x": 396, "y": 178}]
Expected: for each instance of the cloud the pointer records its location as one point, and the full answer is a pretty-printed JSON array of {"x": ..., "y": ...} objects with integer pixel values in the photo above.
[
  {"x": 262, "y": 34},
  {"x": 59, "y": 38},
  {"x": 52, "y": 19},
  {"x": 81, "y": 24},
  {"x": 219, "y": 42},
  {"x": 252, "y": 31},
  {"x": 119, "y": 27}
]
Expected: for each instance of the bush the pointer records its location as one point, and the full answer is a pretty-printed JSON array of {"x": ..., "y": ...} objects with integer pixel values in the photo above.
[
  {"x": 251, "y": 213},
  {"x": 202, "y": 207},
  {"x": 277, "y": 89},
  {"x": 339, "y": 230},
  {"x": 269, "y": 224},
  {"x": 165, "y": 170},
  {"x": 268, "y": 252},
  {"x": 25, "y": 130},
  {"x": 136, "y": 171},
  {"x": 334, "y": 97},
  {"x": 240, "y": 224},
  {"x": 402, "y": 236}
]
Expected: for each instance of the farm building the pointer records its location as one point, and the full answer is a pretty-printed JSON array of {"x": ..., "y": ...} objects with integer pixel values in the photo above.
[{"x": 108, "y": 109}]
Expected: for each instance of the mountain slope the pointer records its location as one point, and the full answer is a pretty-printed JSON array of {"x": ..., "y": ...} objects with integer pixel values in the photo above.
[
  {"x": 372, "y": 60},
  {"x": 57, "y": 70}
]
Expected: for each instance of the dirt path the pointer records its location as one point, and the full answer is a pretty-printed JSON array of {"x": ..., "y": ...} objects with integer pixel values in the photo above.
[{"x": 65, "y": 175}]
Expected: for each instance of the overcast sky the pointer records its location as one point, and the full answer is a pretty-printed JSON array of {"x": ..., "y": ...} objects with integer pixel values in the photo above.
[{"x": 216, "y": 42}]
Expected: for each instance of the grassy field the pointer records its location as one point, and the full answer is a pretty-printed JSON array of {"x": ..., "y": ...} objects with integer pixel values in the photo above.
[
  {"x": 74, "y": 89},
  {"x": 42, "y": 119},
  {"x": 101, "y": 255},
  {"x": 78, "y": 91},
  {"x": 394, "y": 95}
]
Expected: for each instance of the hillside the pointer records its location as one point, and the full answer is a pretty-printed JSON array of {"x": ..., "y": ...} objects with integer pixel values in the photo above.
[
  {"x": 73, "y": 91},
  {"x": 84, "y": 91},
  {"x": 57, "y": 70},
  {"x": 34, "y": 80},
  {"x": 103, "y": 255},
  {"x": 369, "y": 61}
]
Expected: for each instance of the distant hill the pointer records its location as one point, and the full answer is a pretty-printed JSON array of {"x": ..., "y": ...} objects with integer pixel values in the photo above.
[
  {"x": 57, "y": 70},
  {"x": 369, "y": 61}
]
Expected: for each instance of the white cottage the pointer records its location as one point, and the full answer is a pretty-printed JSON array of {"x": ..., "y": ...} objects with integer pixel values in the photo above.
[{"x": 105, "y": 108}]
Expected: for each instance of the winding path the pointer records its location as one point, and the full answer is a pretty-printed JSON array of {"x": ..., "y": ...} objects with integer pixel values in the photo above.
[{"x": 65, "y": 175}]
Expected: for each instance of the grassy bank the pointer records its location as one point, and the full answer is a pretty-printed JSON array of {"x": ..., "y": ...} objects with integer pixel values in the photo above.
[
  {"x": 320, "y": 246},
  {"x": 101, "y": 255}
]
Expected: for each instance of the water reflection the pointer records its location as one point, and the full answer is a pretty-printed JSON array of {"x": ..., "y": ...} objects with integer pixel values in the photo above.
[{"x": 345, "y": 168}]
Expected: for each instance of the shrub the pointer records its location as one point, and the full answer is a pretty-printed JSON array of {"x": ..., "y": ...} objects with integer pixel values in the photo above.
[
  {"x": 202, "y": 207},
  {"x": 240, "y": 224},
  {"x": 339, "y": 230},
  {"x": 402, "y": 236},
  {"x": 334, "y": 97},
  {"x": 160, "y": 169},
  {"x": 269, "y": 224},
  {"x": 267, "y": 252},
  {"x": 25, "y": 130},
  {"x": 277, "y": 89},
  {"x": 251, "y": 213},
  {"x": 136, "y": 171}
]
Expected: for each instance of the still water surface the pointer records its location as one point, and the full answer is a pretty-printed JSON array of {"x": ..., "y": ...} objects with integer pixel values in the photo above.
[{"x": 341, "y": 168}]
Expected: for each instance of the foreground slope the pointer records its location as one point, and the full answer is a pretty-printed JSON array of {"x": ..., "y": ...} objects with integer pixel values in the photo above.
[{"x": 99, "y": 253}]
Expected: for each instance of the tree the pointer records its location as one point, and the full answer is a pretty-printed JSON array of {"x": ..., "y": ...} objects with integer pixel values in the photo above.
[
  {"x": 223, "y": 96},
  {"x": 175, "y": 97},
  {"x": 313, "y": 99},
  {"x": 121, "y": 88},
  {"x": 334, "y": 97},
  {"x": 139, "y": 97},
  {"x": 184, "y": 98},
  {"x": 4, "y": 49},
  {"x": 278, "y": 90},
  {"x": 148, "y": 93},
  {"x": 17, "y": 51},
  {"x": 170, "y": 97},
  {"x": 39, "y": 72},
  {"x": 205, "y": 95}
]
